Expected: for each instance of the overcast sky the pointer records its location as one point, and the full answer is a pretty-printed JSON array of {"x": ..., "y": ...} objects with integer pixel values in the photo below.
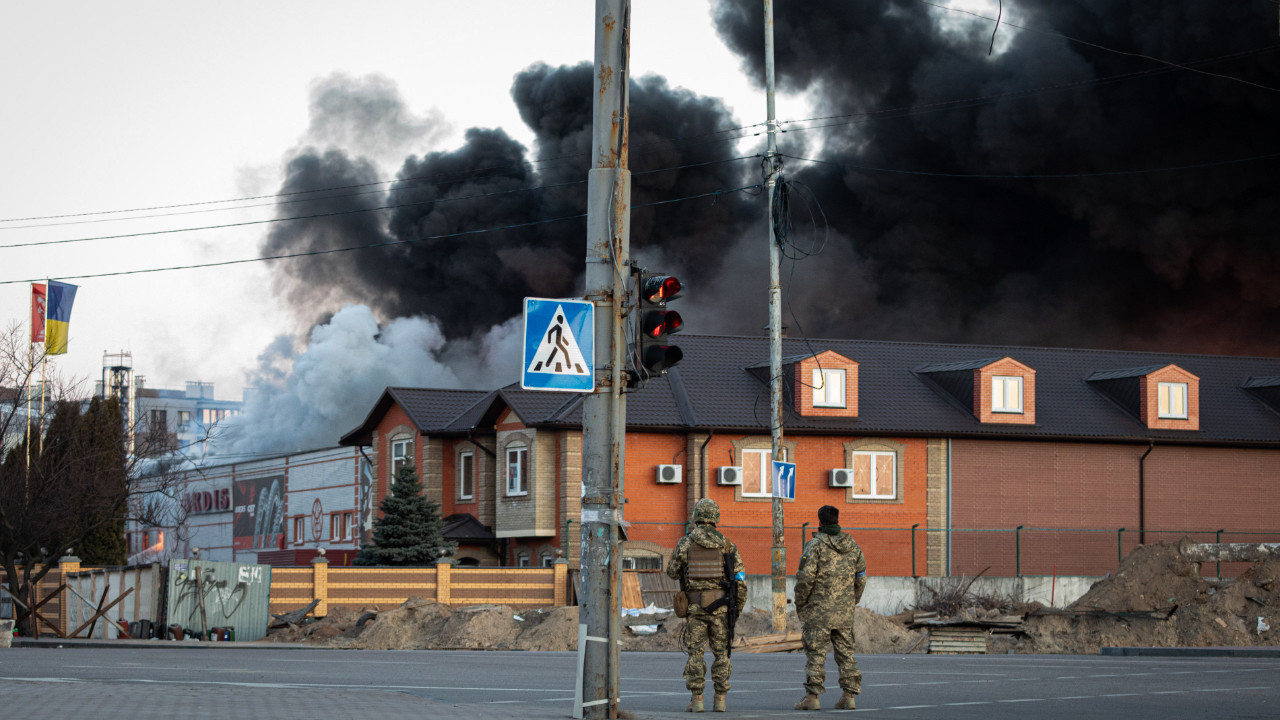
[{"x": 115, "y": 106}]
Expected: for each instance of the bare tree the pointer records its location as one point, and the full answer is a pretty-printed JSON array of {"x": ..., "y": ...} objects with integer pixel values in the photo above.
[{"x": 66, "y": 474}]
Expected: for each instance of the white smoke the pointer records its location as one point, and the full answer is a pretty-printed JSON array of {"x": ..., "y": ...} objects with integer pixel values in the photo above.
[{"x": 310, "y": 399}]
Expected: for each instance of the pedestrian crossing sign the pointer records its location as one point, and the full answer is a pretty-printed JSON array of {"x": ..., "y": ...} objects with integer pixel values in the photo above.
[{"x": 559, "y": 345}]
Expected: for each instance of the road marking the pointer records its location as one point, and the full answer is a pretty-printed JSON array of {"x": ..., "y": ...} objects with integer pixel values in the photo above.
[{"x": 278, "y": 686}]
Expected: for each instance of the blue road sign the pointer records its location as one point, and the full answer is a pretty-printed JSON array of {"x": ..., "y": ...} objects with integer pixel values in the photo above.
[
  {"x": 784, "y": 480},
  {"x": 559, "y": 345}
]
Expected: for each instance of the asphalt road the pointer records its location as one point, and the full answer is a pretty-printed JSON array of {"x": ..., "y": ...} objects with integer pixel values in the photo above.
[{"x": 107, "y": 684}]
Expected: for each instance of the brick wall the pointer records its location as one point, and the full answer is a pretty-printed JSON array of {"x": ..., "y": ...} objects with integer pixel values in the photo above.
[{"x": 1004, "y": 484}]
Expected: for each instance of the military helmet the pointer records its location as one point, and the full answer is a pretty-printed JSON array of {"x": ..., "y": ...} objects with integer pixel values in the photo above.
[{"x": 706, "y": 510}]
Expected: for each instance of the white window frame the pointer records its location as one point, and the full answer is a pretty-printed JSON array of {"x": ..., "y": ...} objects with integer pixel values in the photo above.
[
  {"x": 337, "y": 527},
  {"x": 1006, "y": 394},
  {"x": 299, "y": 529},
  {"x": 523, "y": 560},
  {"x": 1172, "y": 400},
  {"x": 518, "y": 482},
  {"x": 464, "y": 477},
  {"x": 766, "y": 471},
  {"x": 875, "y": 479},
  {"x": 548, "y": 560},
  {"x": 829, "y": 388},
  {"x": 401, "y": 453}
]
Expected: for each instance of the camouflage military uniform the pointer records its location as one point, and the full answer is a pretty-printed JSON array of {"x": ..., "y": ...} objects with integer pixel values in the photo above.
[
  {"x": 829, "y": 584},
  {"x": 702, "y": 627}
]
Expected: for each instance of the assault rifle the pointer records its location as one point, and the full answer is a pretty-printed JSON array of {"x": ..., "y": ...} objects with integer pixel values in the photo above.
[{"x": 731, "y": 595}]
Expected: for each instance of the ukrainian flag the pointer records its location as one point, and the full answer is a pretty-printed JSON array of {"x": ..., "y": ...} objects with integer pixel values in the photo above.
[{"x": 57, "y": 328}]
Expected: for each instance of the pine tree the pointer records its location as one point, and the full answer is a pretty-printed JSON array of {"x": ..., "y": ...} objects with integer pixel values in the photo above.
[{"x": 408, "y": 533}]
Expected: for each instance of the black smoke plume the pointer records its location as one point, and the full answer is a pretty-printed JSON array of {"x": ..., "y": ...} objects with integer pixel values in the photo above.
[
  {"x": 473, "y": 282},
  {"x": 1180, "y": 260}
]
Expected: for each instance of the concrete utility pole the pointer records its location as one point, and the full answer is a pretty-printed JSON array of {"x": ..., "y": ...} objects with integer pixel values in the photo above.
[
  {"x": 779, "y": 564},
  {"x": 605, "y": 410}
]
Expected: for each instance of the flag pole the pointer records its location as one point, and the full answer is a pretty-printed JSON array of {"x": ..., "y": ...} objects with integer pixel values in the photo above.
[{"x": 44, "y": 361}]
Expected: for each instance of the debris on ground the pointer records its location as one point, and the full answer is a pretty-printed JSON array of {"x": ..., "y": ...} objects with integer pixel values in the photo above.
[{"x": 1157, "y": 598}]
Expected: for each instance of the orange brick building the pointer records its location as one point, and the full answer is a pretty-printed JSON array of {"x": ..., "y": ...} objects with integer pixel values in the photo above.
[{"x": 944, "y": 459}]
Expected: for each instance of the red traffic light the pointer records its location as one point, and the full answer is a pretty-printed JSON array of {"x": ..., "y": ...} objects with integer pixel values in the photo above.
[
  {"x": 660, "y": 288},
  {"x": 658, "y": 323}
]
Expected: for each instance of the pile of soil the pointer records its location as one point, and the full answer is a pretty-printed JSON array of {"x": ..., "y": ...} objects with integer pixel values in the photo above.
[
  {"x": 421, "y": 624},
  {"x": 1157, "y": 598},
  {"x": 1155, "y": 582}
]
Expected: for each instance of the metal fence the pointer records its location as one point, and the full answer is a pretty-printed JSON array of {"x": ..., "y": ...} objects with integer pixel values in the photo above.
[{"x": 998, "y": 552}]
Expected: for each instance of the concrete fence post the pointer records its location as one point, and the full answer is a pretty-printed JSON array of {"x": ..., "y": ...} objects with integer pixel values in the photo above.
[
  {"x": 320, "y": 584},
  {"x": 442, "y": 582}
]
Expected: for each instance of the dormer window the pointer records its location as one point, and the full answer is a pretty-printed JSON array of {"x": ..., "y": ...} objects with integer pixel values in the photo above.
[
  {"x": 1172, "y": 401},
  {"x": 828, "y": 388},
  {"x": 1006, "y": 394}
]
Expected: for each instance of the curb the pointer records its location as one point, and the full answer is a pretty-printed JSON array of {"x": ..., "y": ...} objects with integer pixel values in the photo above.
[
  {"x": 56, "y": 643},
  {"x": 1241, "y": 652}
]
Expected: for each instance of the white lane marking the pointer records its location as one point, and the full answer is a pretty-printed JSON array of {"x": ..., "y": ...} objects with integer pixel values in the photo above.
[
  {"x": 977, "y": 702},
  {"x": 319, "y": 686}
]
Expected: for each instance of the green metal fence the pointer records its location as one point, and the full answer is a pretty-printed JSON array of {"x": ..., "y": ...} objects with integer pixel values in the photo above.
[{"x": 997, "y": 552}]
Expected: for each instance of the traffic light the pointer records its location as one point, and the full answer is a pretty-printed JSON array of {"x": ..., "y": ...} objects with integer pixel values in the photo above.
[{"x": 655, "y": 322}]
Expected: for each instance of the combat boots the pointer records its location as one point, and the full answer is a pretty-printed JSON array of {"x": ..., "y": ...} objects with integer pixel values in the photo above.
[
  {"x": 846, "y": 701},
  {"x": 695, "y": 705},
  {"x": 718, "y": 703},
  {"x": 810, "y": 702}
]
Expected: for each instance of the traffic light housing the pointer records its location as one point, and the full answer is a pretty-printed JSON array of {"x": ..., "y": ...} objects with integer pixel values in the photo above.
[{"x": 655, "y": 323}]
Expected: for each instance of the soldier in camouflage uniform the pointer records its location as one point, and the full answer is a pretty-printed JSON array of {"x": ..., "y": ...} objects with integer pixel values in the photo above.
[
  {"x": 829, "y": 584},
  {"x": 698, "y": 563}
]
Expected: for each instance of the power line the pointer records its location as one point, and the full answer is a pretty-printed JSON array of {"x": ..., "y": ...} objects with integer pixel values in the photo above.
[
  {"x": 714, "y": 193},
  {"x": 1031, "y": 176},
  {"x": 346, "y": 212},
  {"x": 1126, "y": 53},
  {"x": 956, "y": 104}
]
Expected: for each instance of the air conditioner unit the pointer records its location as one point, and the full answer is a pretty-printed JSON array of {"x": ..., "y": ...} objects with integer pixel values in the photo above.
[
  {"x": 669, "y": 474},
  {"x": 729, "y": 475},
  {"x": 842, "y": 477}
]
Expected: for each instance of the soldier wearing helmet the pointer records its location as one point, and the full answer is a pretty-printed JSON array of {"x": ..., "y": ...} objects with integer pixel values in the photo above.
[{"x": 712, "y": 578}]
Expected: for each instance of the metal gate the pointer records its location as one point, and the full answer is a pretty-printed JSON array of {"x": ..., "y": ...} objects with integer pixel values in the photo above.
[{"x": 206, "y": 595}]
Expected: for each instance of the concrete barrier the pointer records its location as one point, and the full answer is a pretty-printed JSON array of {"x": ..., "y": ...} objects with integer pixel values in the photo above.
[
  {"x": 6, "y": 633},
  {"x": 892, "y": 595}
]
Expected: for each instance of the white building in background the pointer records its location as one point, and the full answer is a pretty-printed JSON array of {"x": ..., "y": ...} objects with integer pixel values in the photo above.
[
  {"x": 180, "y": 421},
  {"x": 275, "y": 510}
]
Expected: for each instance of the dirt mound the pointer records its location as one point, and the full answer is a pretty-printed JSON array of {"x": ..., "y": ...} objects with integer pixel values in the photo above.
[
  {"x": 478, "y": 626},
  {"x": 549, "y": 629},
  {"x": 411, "y": 626},
  {"x": 1158, "y": 598}
]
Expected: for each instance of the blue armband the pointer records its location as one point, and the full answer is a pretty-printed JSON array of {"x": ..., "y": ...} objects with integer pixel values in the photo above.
[
  {"x": 860, "y": 574},
  {"x": 743, "y": 576}
]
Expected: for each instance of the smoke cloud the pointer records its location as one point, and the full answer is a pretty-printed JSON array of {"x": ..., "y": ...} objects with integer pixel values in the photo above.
[
  {"x": 932, "y": 201},
  {"x": 1170, "y": 260}
]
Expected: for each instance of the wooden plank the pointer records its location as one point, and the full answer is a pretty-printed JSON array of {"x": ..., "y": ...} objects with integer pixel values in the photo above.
[{"x": 631, "y": 597}]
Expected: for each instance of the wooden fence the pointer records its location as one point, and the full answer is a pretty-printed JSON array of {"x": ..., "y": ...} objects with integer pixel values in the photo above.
[{"x": 383, "y": 587}]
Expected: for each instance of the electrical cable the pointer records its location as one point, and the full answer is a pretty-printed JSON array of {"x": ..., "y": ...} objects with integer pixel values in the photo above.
[
  {"x": 1045, "y": 176},
  {"x": 329, "y": 251},
  {"x": 1126, "y": 53},
  {"x": 341, "y": 212}
]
